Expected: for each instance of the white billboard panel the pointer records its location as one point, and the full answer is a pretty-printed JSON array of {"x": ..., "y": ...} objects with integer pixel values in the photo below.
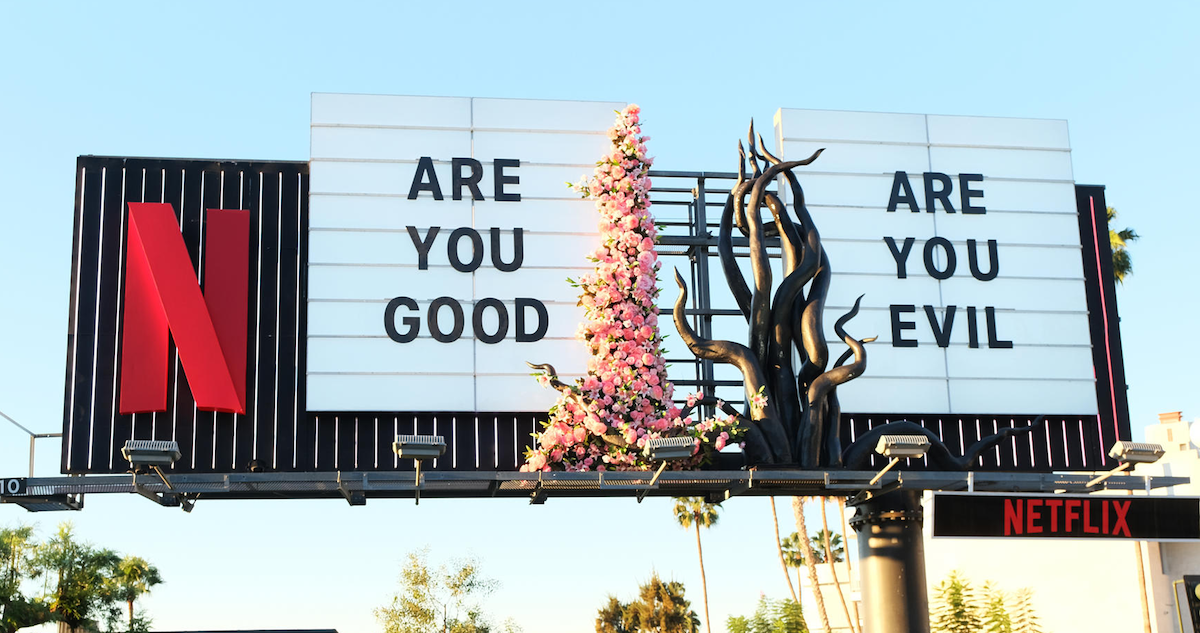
[
  {"x": 411, "y": 307},
  {"x": 1018, "y": 339}
]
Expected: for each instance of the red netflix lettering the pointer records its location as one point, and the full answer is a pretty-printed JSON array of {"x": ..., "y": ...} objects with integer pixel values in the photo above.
[
  {"x": 1104, "y": 519},
  {"x": 1012, "y": 517},
  {"x": 1032, "y": 514},
  {"x": 1087, "y": 518},
  {"x": 1071, "y": 505},
  {"x": 1119, "y": 524},
  {"x": 1054, "y": 505}
]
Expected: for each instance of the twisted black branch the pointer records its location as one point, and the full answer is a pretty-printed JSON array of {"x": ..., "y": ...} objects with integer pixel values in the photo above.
[
  {"x": 858, "y": 455},
  {"x": 777, "y": 448}
]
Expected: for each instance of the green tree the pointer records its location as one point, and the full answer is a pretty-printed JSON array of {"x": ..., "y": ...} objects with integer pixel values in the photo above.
[
  {"x": 442, "y": 599},
  {"x": 82, "y": 574},
  {"x": 133, "y": 578},
  {"x": 611, "y": 617},
  {"x": 17, "y": 611},
  {"x": 659, "y": 608},
  {"x": 695, "y": 511},
  {"x": 782, "y": 616},
  {"x": 793, "y": 555},
  {"x": 995, "y": 614},
  {"x": 821, "y": 546},
  {"x": 1119, "y": 240},
  {"x": 955, "y": 608},
  {"x": 1024, "y": 620}
]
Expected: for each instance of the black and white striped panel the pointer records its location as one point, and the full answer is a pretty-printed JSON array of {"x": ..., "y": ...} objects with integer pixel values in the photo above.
[
  {"x": 1061, "y": 442},
  {"x": 276, "y": 194},
  {"x": 474, "y": 441}
]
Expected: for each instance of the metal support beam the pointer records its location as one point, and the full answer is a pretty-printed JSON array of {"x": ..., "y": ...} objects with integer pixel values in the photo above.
[{"x": 891, "y": 556}]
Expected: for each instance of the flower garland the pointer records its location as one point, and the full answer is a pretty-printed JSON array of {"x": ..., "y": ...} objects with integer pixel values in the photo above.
[{"x": 606, "y": 419}]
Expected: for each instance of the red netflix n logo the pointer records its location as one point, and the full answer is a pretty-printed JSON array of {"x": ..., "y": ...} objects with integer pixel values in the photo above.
[{"x": 163, "y": 295}]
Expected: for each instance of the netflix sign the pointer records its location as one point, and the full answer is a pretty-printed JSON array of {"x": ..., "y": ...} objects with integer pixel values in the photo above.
[{"x": 1066, "y": 516}]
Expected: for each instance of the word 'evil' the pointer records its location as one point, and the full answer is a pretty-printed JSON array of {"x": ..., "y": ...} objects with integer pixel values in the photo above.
[{"x": 1066, "y": 516}]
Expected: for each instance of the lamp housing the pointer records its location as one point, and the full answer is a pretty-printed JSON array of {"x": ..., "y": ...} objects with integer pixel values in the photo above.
[
  {"x": 151, "y": 452},
  {"x": 902, "y": 446},
  {"x": 419, "y": 446},
  {"x": 671, "y": 448},
  {"x": 1136, "y": 452}
]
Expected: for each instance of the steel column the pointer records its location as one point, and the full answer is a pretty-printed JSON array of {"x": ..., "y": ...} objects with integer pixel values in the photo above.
[{"x": 891, "y": 558}]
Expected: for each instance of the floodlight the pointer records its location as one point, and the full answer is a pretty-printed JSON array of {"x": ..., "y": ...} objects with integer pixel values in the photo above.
[
  {"x": 151, "y": 452},
  {"x": 419, "y": 448},
  {"x": 666, "y": 449},
  {"x": 1136, "y": 452},
  {"x": 1129, "y": 453},
  {"x": 671, "y": 448},
  {"x": 899, "y": 447},
  {"x": 902, "y": 446},
  {"x": 155, "y": 454}
]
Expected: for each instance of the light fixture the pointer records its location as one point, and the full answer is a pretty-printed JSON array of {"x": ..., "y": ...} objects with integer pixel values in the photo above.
[
  {"x": 663, "y": 450},
  {"x": 154, "y": 454},
  {"x": 419, "y": 448},
  {"x": 899, "y": 447},
  {"x": 1129, "y": 453}
]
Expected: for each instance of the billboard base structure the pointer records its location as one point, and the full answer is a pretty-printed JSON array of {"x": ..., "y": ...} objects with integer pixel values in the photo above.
[{"x": 358, "y": 487}]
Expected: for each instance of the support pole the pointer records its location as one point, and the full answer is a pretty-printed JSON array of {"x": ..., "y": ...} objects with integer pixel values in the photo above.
[{"x": 891, "y": 557}]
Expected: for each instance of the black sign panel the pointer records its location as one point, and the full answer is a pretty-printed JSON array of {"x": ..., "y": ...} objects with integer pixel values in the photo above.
[
  {"x": 15, "y": 486},
  {"x": 1066, "y": 516}
]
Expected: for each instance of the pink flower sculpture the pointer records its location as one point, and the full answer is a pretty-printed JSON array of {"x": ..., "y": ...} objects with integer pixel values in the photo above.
[{"x": 605, "y": 420}]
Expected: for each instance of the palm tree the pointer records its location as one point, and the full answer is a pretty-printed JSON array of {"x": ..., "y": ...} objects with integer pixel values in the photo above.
[
  {"x": 661, "y": 607},
  {"x": 833, "y": 552},
  {"x": 794, "y": 557},
  {"x": 82, "y": 574},
  {"x": 1122, "y": 262},
  {"x": 779, "y": 548},
  {"x": 810, "y": 560},
  {"x": 696, "y": 511},
  {"x": 132, "y": 578}
]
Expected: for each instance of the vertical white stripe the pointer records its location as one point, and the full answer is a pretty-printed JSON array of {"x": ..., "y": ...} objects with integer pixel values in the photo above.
[
  {"x": 133, "y": 419},
  {"x": 96, "y": 318},
  {"x": 376, "y": 451},
  {"x": 257, "y": 320},
  {"x": 278, "y": 316},
  {"x": 337, "y": 438},
  {"x": 199, "y": 279},
  {"x": 75, "y": 313},
  {"x": 162, "y": 193},
  {"x": 236, "y": 417},
  {"x": 296, "y": 413},
  {"x": 175, "y": 383},
  {"x": 116, "y": 413},
  {"x": 221, "y": 205},
  {"x": 395, "y": 432}
]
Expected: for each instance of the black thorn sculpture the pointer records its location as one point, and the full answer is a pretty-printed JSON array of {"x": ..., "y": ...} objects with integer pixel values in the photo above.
[{"x": 801, "y": 424}]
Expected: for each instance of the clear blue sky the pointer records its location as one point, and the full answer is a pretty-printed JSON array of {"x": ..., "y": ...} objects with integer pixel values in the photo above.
[{"x": 232, "y": 80}]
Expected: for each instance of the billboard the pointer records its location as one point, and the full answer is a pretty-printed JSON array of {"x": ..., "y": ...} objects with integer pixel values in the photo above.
[{"x": 399, "y": 281}]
